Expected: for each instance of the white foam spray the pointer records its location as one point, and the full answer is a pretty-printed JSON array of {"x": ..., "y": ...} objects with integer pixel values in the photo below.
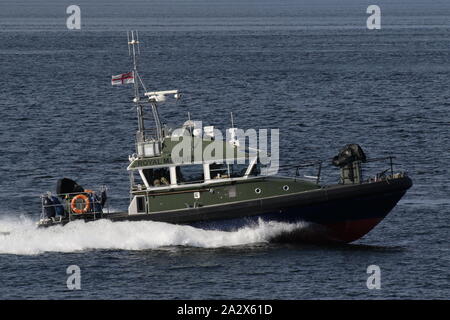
[{"x": 22, "y": 237}]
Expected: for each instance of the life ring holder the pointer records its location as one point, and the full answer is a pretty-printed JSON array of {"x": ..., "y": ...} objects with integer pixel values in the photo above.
[{"x": 87, "y": 204}]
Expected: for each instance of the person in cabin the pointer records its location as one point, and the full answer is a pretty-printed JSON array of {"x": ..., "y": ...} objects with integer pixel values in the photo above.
[
  {"x": 165, "y": 176},
  {"x": 162, "y": 177},
  {"x": 217, "y": 170}
]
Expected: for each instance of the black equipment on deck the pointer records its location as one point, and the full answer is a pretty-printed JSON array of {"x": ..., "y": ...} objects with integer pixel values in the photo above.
[
  {"x": 66, "y": 185},
  {"x": 349, "y": 160}
]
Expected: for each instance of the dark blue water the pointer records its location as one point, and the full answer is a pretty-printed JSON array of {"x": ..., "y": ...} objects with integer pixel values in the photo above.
[{"x": 309, "y": 68}]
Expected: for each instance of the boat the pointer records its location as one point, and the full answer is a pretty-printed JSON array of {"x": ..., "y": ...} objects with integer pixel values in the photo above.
[{"x": 192, "y": 176}]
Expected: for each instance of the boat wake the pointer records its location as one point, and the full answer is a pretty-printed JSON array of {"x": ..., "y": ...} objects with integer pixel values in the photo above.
[{"x": 22, "y": 237}]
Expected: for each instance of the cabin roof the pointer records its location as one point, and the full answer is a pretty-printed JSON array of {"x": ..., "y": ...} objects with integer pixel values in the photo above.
[{"x": 193, "y": 150}]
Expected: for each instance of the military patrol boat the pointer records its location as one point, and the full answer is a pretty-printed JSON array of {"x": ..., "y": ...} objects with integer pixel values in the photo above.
[{"x": 191, "y": 176}]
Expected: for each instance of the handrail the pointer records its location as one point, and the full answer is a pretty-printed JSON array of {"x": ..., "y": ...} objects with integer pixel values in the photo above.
[
  {"x": 146, "y": 135},
  {"x": 65, "y": 201},
  {"x": 310, "y": 163},
  {"x": 380, "y": 159},
  {"x": 320, "y": 164}
]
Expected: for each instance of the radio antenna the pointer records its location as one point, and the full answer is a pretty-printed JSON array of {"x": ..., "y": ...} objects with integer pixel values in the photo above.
[
  {"x": 137, "y": 40},
  {"x": 132, "y": 44},
  {"x": 128, "y": 38}
]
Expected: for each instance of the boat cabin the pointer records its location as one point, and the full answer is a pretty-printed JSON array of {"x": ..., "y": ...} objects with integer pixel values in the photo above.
[{"x": 188, "y": 159}]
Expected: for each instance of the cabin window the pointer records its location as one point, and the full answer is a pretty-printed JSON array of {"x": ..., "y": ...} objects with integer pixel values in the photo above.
[
  {"x": 140, "y": 204},
  {"x": 190, "y": 174},
  {"x": 218, "y": 171},
  {"x": 157, "y": 177},
  {"x": 136, "y": 181},
  {"x": 238, "y": 170},
  {"x": 256, "y": 170}
]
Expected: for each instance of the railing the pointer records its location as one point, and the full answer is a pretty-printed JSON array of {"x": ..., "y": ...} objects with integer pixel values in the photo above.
[
  {"x": 370, "y": 170},
  {"x": 299, "y": 170},
  {"x": 146, "y": 135},
  {"x": 391, "y": 164},
  {"x": 59, "y": 206},
  {"x": 147, "y": 144},
  {"x": 313, "y": 170}
]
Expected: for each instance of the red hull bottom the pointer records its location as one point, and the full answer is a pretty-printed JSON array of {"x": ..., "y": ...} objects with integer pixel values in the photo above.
[
  {"x": 341, "y": 232},
  {"x": 349, "y": 231}
]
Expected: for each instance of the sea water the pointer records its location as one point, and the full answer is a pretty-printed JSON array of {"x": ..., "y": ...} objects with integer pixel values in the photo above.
[{"x": 309, "y": 68}]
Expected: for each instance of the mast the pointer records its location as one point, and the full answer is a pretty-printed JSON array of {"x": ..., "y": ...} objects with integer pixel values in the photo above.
[
  {"x": 133, "y": 44},
  {"x": 154, "y": 97}
]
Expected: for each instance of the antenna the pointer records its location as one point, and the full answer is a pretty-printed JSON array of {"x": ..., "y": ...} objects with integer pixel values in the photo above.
[
  {"x": 154, "y": 97},
  {"x": 138, "y": 46},
  {"x": 232, "y": 119},
  {"x": 132, "y": 43},
  {"x": 128, "y": 38}
]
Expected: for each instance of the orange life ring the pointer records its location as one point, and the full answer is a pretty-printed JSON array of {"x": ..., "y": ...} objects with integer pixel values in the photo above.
[{"x": 87, "y": 203}]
